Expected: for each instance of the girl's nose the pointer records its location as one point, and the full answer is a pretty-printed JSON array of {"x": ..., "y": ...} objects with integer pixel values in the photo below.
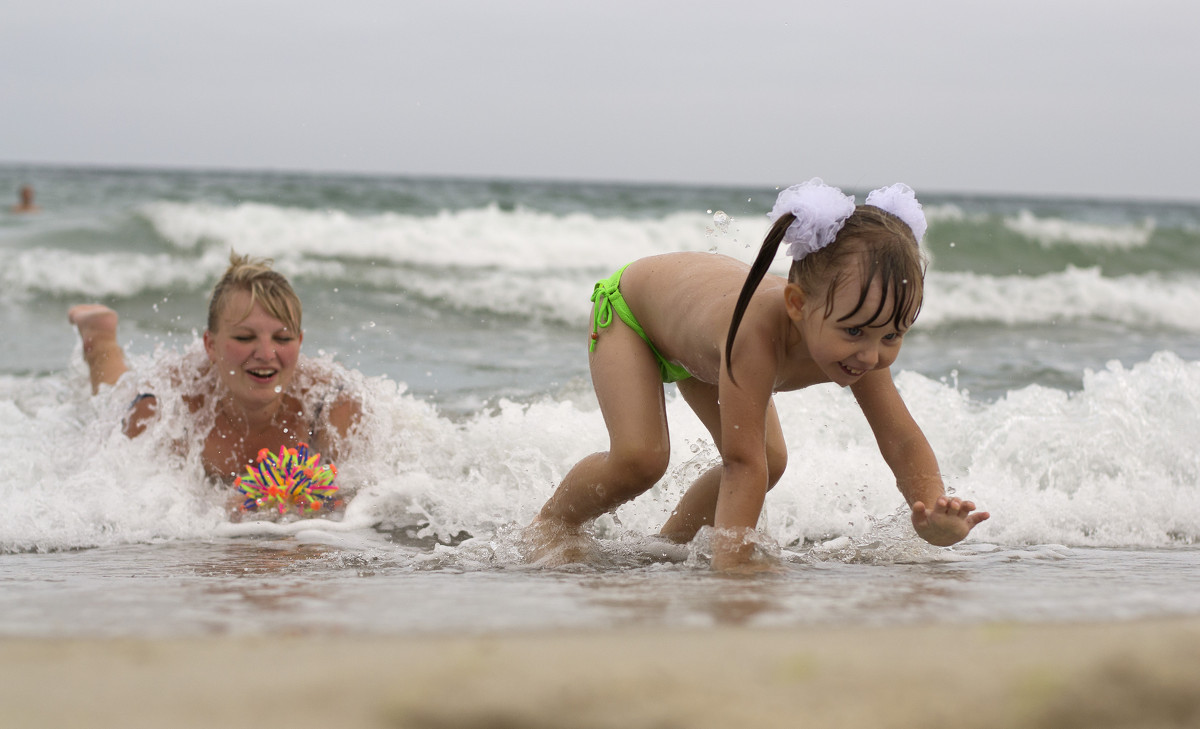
[{"x": 869, "y": 355}]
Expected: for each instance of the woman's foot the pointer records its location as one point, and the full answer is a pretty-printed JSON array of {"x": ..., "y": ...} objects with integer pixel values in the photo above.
[
  {"x": 97, "y": 326},
  {"x": 93, "y": 320}
]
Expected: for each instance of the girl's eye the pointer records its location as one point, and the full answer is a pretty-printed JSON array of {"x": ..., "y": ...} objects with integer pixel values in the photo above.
[
  {"x": 892, "y": 337},
  {"x": 853, "y": 331}
]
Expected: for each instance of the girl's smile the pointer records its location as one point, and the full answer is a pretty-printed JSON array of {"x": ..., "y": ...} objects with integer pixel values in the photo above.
[{"x": 844, "y": 345}]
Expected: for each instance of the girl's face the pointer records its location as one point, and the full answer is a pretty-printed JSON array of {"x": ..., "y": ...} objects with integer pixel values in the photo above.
[
  {"x": 847, "y": 344},
  {"x": 255, "y": 356}
]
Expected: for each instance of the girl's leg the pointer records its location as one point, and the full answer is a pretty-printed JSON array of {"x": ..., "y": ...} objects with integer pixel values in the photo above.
[
  {"x": 98, "y": 329},
  {"x": 698, "y": 506},
  {"x": 629, "y": 389}
]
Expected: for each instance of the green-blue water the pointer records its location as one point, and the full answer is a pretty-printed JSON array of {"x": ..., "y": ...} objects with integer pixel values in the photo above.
[{"x": 1055, "y": 369}]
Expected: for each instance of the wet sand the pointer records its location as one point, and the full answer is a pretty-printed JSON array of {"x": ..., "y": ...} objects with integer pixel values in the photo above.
[{"x": 1136, "y": 674}]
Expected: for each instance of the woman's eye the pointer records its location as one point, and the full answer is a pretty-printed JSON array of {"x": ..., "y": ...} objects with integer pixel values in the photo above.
[{"x": 244, "y": 338}]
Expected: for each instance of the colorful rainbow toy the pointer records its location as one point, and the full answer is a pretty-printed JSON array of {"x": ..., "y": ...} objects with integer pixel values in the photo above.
[{"x": 292, "y": 479}]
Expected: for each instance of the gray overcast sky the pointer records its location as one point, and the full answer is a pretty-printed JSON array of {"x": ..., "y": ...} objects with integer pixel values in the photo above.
[{"x": 1022, "y": 96}]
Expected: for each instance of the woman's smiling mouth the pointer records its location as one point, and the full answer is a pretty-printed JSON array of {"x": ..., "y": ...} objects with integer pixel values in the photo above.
[{"x": 263, "y": 373}]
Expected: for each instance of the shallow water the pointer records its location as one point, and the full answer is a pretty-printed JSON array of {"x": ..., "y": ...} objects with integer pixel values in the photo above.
[
  {"x": 1055, "y": 369},
  {"x": 317, "y": 583}
]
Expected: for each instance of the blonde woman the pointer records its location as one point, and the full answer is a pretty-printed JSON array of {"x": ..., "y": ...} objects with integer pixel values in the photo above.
[{"x": 254, "y": 400}]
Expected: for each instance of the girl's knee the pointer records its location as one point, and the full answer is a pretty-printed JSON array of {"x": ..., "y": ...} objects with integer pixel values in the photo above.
[{"x": 636, "y": 471}]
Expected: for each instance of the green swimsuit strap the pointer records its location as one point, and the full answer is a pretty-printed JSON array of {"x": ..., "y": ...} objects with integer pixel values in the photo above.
[
  {"x": 608, "y": 300},
  {"x": 606, "y": 297}
]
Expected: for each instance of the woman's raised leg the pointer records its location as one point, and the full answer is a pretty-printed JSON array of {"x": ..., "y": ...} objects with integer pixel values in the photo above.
[{"x": 97, "y": 326}]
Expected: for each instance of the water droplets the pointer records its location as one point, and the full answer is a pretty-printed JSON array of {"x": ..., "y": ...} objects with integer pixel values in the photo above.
[
  {"x": 721, "y": 221},
  {"x": 720, "y": 226}
]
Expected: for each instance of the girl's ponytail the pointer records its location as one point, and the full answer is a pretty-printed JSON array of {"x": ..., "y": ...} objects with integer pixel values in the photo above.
[
  {"x": 766, "y": 255},
  {"x": 811, "y": 216}
]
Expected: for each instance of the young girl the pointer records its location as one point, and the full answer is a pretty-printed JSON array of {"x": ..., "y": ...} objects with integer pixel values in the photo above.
[
  {"x": 247, "y": 387},
  {"x": 854, "y": 289}
]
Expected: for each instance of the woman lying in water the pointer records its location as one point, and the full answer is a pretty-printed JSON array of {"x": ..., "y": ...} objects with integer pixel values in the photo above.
[{"x": 249, "y": 386}]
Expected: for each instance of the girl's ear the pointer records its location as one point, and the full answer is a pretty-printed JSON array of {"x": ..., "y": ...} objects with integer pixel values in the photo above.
[{"x": 793, "y": 301}]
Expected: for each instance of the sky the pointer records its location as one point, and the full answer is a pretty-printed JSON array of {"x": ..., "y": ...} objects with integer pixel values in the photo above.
[{"x": 1079, "y": 98}]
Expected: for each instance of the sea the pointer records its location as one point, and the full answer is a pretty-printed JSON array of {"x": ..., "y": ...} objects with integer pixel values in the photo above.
[{"x": 1055, "y": 369}]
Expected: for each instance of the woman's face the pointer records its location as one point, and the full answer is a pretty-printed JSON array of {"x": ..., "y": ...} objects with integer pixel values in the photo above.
[{"x": 255, "y": 356}]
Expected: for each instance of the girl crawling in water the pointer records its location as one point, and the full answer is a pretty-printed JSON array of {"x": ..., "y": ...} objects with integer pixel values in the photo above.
[{"x": 854, "y": 288}]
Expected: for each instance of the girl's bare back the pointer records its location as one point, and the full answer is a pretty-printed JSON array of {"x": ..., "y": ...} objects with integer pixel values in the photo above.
[{"x": 684, "y": 302}]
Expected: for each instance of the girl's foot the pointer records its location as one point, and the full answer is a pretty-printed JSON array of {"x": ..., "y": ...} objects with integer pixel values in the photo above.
[{"x": 548, "y": 543}]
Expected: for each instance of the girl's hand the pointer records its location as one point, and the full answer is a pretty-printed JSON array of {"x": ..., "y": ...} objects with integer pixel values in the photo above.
[{"x": 948, "y": 522}]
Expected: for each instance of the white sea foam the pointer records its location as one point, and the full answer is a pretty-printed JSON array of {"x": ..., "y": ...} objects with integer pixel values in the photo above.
[
  {"x": 96, "y": 275},
  {"x": 521, "y": 240},
  {"x": 1052, "y": 231},
  {"x": 1114, "y": 464},
  {"x": 949, "y": 212},
  {"x": 1074, "y": 294},
  {"x": 532, "y": 264}
]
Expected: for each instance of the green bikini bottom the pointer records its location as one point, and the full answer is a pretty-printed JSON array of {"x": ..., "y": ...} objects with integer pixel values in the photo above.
[{"x": 607, "y": 299}]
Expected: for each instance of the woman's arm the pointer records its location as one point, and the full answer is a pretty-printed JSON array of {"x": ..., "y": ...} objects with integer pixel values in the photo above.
[
  {"x": 340, "y": 417},
  {"x": 937, "y": 519},
  {"x": 144, "y": 407}
]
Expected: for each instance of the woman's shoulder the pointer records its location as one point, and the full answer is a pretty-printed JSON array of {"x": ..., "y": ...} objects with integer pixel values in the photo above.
[
  {"x": 319, "y": 376},
  {"x": 326, "y": 388}
]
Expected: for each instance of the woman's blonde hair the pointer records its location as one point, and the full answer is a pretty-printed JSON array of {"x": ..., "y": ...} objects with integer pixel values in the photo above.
[{"x": 265, "y": 286}]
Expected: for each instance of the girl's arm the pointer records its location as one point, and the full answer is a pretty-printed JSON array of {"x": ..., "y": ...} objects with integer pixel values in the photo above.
[
  {"x": 937, "y": 519},
  {"x": 743, "y": 406}
]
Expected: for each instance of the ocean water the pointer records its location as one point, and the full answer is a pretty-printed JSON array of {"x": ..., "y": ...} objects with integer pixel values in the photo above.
[{"x": 1055, "y": 369}]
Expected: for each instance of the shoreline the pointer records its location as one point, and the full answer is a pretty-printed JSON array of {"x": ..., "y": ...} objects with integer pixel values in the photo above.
[{"x": 990, "y": 675}]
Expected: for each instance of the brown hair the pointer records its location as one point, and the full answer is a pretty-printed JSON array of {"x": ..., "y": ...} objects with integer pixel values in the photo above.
[
  {"x": 265, "y": 286},
  {"x": 882, "y": 244}
]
